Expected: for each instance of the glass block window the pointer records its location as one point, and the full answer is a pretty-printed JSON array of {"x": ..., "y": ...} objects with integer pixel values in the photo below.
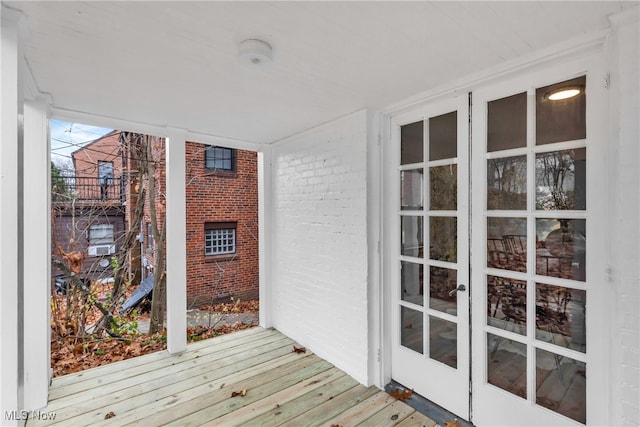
[
  {"x": 220, "y": 158},
  {"x": 219, "y": 238}
]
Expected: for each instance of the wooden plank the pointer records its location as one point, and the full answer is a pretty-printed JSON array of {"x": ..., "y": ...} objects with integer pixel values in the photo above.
[
  {"x": 170, "y": 383},
  {"x": 417, "y": 420},
  {"x": 331, "y": 408},
  {"x": 362, "y": 411},
  {"x": 304, "y": 401},
  {"x": 160, "y": 355},
  {"x": 120, "y": 372},
  {"x": 389, "y": 415},
  {"x": 256, "y": 388},
  {"x": 323, "y": 384}
]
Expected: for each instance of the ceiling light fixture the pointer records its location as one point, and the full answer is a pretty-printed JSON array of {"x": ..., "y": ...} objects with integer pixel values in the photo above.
[
  {"x": 564, "y": 93},
  {"x": 255, "y": 52}
]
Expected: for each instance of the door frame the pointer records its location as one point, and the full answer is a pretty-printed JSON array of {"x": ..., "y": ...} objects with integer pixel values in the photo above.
[{"x": 584, "y": 55}]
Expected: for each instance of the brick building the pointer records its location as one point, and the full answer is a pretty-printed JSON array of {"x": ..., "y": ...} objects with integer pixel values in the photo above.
[{"x": 222, "y": 213}]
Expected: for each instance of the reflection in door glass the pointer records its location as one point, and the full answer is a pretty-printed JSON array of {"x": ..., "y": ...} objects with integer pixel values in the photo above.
[
  {"x": 507, "y": 123},
  {"x": 561, "y": 384},
  {"x": 443, "y": 136},
  {"x": 412, "y": 330},
  {"x": 507, "y": 304},
  {"x": 443, "y": 341},
  {"x": 561, "y": 180},
  {"x": 411, "y": 280},
  {"x": 443, "y": 236},
  {"x": 560, "y": 316},
  {"x": 411, "y": 143},
  {"x": 412, "y": 236},
  {"x": 507, "y": 364},
  {"x": 411, "y": 189},
  {"x": 507, "y": 243},
  {"x": 561, "y": 119},
  {"x": 444, "y": 187},
  {"x": 561, "y": 248},
  {"x": 507, "y": 183},
  {"x": 441, "y": 282}
]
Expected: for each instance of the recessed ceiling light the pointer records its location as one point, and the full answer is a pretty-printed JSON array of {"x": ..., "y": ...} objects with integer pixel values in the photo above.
[
  {"x": 255, "y": 52},
  {"x": 564, "y": 93}
]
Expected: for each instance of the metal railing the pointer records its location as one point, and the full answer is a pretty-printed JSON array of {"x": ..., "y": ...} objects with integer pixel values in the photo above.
[{"x": 87, "y": 189}]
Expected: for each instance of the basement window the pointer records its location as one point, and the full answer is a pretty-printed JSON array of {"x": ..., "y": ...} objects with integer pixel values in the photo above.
[
  {"x": 220, "y": 238},
  {"x": 220, "y": 159}
]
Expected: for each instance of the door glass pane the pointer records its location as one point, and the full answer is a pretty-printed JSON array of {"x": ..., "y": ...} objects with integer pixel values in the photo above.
[
  {"x": 411, "y": 143},
  {"x": 507, "y": 364},
  {"x": 441, "y": 282},
  {"x": 443, "y": 136},
  {"x": 443, "y": 341},
  {"x": 507, "y": 123},
  {"x": 411, "y": 333},
  {"x": 561, "y": 180},
  {"x": 443, "y": 234},
  {"x": 507, "y": 304},
  {"x": 411, "y": 189},
  {"x": 412, "y": 235},
  {"x": 507, "y": 243},
  {"x": 444, "y": 187},
  {"x": 561, "y": 119},
  {"x": 507, "y": 183},
  {"x": 411, "y": 282},
  {"x": 561, "y": 384},
  {"x": 561, "y": 248},
  {"x": 560, "y": 316}
]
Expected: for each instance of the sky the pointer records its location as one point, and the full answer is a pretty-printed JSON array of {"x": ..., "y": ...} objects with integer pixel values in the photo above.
[{"x": 67, "y": 137}]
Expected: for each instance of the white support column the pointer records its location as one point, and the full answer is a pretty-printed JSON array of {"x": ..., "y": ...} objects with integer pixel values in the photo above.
[
  {"x": 265, "y": 197},
  {"x": 176, "y": 220},
  {"x": 37, "y": 272},
  {"x": 9, "y": 272}
]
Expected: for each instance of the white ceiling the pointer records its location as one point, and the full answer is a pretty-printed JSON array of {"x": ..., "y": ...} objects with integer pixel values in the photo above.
[{"x": 175, "y": 63}]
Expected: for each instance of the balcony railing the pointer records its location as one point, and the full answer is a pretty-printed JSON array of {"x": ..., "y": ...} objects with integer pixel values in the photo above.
[{"x": 87, "y": 189}]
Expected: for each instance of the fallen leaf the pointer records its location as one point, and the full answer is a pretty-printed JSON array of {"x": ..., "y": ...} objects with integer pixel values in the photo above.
[
  {"x": 242, "y": 393},
  {"x": 109, "y": 415},
  {"x": 401, "y": 395},
  {"x": 299, "y": 350},
  {"x": 454, "y": 423}
]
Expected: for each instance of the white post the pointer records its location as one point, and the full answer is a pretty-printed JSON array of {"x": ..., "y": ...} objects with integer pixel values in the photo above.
[
  {"x": 9, "y": 277},
  {"x": 176, "y": 242},
  {"x": 265, "y": 197},
  {"x": 37, "y": 255}
]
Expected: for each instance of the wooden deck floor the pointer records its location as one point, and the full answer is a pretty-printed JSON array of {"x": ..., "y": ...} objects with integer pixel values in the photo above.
[{"x": 195, "y": 388}]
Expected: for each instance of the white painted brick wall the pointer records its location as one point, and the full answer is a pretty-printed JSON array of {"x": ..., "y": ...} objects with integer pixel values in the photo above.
[
  {"x": 625, "y": 96},
  {"x": 320, "y": 242}
]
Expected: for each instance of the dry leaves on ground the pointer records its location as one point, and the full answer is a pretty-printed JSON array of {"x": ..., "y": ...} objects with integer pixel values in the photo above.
[
  {"x": 401, "y": 395},
  {"x": 236, "y": 306}
]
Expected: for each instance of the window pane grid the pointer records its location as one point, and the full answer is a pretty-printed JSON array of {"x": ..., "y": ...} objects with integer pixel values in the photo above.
[
  {"x": 221, "y": 241},
  {"x": 219, "y": 158}
]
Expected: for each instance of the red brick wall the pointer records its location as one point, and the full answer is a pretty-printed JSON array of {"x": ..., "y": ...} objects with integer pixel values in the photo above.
[{"x": 221, "y": 197}]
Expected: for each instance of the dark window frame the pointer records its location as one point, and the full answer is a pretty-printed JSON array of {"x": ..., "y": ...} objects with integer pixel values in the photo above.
[{"x": 215, "y": 158}]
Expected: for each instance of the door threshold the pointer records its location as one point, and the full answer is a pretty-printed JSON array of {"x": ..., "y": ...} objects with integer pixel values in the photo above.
[{"x": 427, "y": 407}]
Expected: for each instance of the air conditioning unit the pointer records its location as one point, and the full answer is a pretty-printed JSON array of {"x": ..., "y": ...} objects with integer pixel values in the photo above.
[{"x": 102, "y": 250}]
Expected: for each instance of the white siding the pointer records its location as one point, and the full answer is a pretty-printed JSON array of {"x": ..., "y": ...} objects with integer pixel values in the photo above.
[
  {"x": 319, "y": 247},
  {"x": 625, "y": 93}
]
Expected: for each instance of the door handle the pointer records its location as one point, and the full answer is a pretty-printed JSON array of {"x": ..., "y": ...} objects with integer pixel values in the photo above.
[{"x": 460, "y": 288}]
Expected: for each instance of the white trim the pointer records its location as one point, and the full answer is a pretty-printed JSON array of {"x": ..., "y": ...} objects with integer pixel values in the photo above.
[
  {"x": 37, "y": 272},
  {"x": 265, "y": 248},
  {"x": 176, "y": 256},
  {"x": 627, "y": 16}
]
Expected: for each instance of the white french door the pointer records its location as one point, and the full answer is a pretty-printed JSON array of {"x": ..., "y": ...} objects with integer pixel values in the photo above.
[
  {"x": 511, "y": 330},
  {"x": 430, "y": 265}
]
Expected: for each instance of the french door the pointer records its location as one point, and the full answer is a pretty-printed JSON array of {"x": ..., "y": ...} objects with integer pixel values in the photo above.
[
  {"x": 509, "y": 330},
  {"x": 430, "y": 301}
]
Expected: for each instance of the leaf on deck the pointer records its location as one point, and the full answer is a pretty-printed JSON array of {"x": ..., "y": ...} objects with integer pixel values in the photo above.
[
  {"x": 299, "y": 350},
  {"x": 454, "y": 423},
  {"x": 401, "y": 395},
  {"x": 109, "y": 414},
  {"x": 242, "y": 393}
]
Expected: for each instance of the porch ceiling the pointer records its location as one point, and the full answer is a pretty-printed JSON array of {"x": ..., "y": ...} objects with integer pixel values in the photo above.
[{"x": 175, "y": 63}]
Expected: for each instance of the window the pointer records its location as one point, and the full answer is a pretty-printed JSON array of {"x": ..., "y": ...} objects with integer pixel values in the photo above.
[
  {"x": 220, "y": 158},
  {"x": 101, "y": 234},
  {"x": 219, "y": 238},
  {"x": 105, "y": 172},
  {"x": 149, "y": 237}
]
